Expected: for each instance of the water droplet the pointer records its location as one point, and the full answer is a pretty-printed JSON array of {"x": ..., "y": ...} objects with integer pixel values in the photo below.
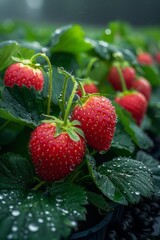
[
  {"x": 14, "y": 229},
  {"x": 1, "y": 197},
  {"x": 10, "y": 236},
  {"x": 15, "y": 213},
  {"x": 137, "y": 193},
  {"x": 53, "y": 229},
  {"x": 33, "y": 228},
  {"x": 30, "y": 215},
  {"x": 46, "y": 212},
  {"x": 40, "y": 220}
]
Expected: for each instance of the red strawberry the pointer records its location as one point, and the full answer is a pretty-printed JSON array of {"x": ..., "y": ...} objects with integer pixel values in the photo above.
[
  {"x": 54, "y": 157},
  {"x": 157, "y": 57},
  {"x": 88, "y": 88},
  {"x": 145, "y": 58},
  {"x": 143, "y": 86},
  {"x": 128, "y": 75},
  {"x": 22, "y": 74},
  {"x": 98, "y": 120},
  {"x": 135, "y": 103}
]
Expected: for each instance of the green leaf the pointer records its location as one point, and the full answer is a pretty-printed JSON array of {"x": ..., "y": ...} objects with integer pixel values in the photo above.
[
  {"x": 122, "y": 180},
  {"x": 99, "y": 201},
  {"x": 104, "y": 50},
  {"x": 138, "y": 136},
  {"x": 153, "y": 165},
  {"x": 9, "y": 131},
  {"x": 34, "y": 215},
  {"x": 72, "y": 134},
  {"x": 7, "y": 50},
  {"x": 151, "y": 74},
  {"x": 70, "y": 39},
  {"x": 15, "y": 170},
  {"x": 122, "y": 140},
  {"x": 22, "y": 105}
]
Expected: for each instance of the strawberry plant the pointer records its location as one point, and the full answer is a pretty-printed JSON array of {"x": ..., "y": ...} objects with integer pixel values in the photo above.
[{"x": 61, "y": 151}]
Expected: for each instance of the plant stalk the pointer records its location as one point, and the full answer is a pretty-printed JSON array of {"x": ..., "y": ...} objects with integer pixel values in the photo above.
[
  {"x": 70, "y": 101},
  {"x": 50, "y": 87},
  {"x": 123, "y": 84}
]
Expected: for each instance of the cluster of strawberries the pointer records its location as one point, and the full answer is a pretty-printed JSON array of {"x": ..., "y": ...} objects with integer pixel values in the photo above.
[
  {"x": 92, "y": 119},
  {"x": 136, "y": 95},
  {"x": 56, "y": 155}
]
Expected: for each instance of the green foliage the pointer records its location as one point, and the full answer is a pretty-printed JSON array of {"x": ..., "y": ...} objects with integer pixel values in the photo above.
[
  {"x": 138, "y": 136},
  {"x": 22, "y": 105},
  {"x": 122, "y": 180},
  {"x": 7, "y": 50},
  {"x": 70, "y": 39},
  {"x": 15, "y": 171},
  {"x": 153, "y": 165},
  {"x": 35, "y": 215}
]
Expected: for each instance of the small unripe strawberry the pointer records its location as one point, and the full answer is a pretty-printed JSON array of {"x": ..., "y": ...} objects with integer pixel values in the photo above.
[
  {"x": 54, "y": 157},
  {"x": 145, "y": 58},
  {"x": 98, "y": 120},
  {"x": 128, "y": 75},
  {"x": 143, "y": 86},
  {"x": 135, "y": 103},
  {"x": 22, "y": 74},
  {"x": 89, "y": 88}
]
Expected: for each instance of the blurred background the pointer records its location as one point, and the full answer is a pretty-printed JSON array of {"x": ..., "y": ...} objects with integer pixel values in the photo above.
[{"x": 89, "y": 12}]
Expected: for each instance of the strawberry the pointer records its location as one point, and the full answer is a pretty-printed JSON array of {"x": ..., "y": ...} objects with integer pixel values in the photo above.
[
  {"x": 54, "y": 157},
  {"x": 128, "y": 75},
  {"x": 157, "y": 57},
  {"x": 135, "y": 103},
  {"x": 88, "y": 88},
  {"x": 23, "y": 74},
  {"x": 145, "y": 58},
  {"x": 143, "y": 86},
  {"x": 98, "y": 120}
]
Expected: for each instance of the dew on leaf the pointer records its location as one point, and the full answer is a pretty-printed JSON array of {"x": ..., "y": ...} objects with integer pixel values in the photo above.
[
  {"x": 1, "y": 197},
  {"x": 30, "y": 215},
  {"x": 14, "y": 228},
  {"x": 40, "y": 220},
  {"x": 10, "y": 236},
  {"x": 53, "y": 229},
  {"x": 137, "y": 193},
  {"x": 33, "y": 228},
  {"x": 15, "y": 213}
]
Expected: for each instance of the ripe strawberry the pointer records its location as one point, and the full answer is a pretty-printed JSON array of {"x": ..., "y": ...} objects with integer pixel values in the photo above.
[
  {"x": 54, "y": 157},
  {"x": 157, "y": 57},
  {"x": 88, "y": 88},
  {"x": 128, "y": 75},
  {"x": 145, "y": 58},
  {"x": 135, "y": 103},
  {"x": 98, "y": 120},
  {"x": 143, "y": 86},
  {"x": 22, "y": 74}
]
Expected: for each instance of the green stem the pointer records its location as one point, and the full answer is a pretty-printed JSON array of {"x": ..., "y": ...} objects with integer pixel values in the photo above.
[
  {"x": 82, "y": 89},
  {"x": 64, "y": 94},
  {"x": 123, "y": 84},
  {"x": 69, "y": 104},
  {"x": 89, "y": 67},
  {"x": 4, "y": 125},
  {"x": 50, "y": 78},
  {"x": 38, "y": 186}
]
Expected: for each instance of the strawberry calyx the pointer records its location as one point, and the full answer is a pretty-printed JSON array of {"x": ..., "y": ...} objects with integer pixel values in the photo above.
[
  {"x": 87, "y": 80},
  {"x": 84, "y": 98},
  {"x": 27, "y": 62},
  {"x": 70, "y": 128},
  {"x": 125, "y": 93}
]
